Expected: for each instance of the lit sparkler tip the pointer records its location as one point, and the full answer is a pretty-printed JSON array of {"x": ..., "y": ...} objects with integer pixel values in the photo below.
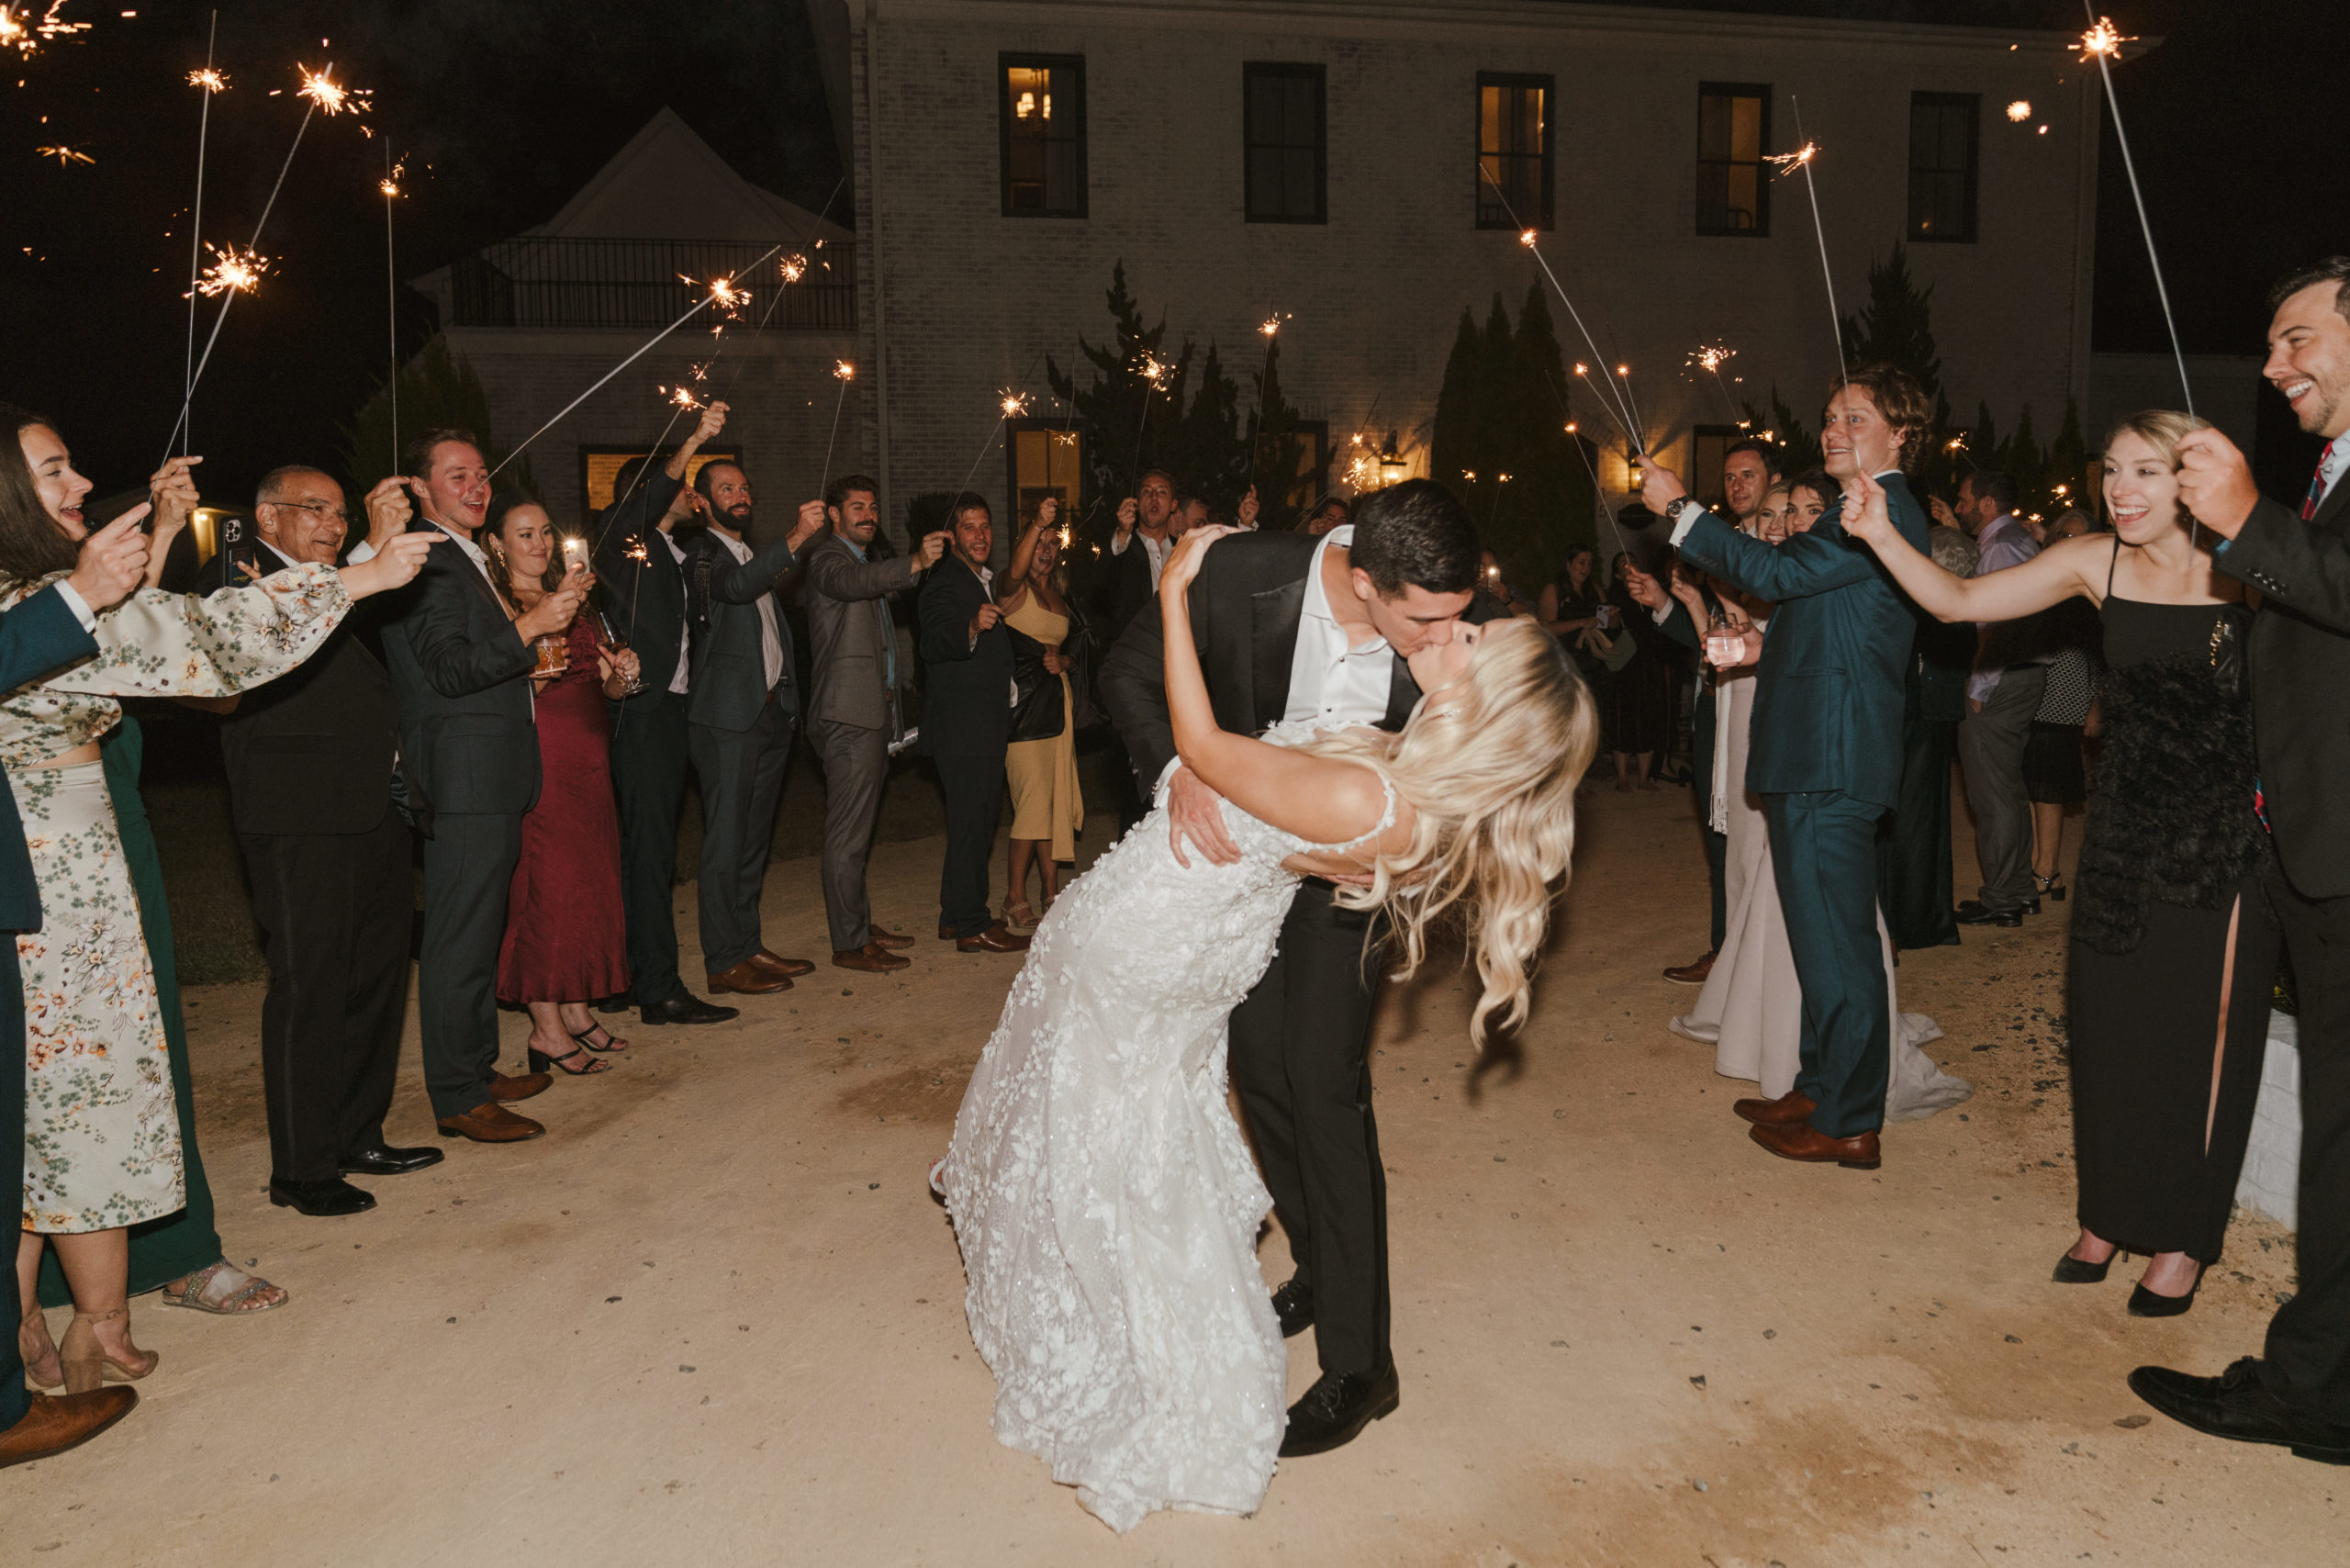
[
  {"x": 327, "y": 95},
  {"x": 1526, "y": 238},
  {"x": 1789, "y": 162},
  {"x": 1155, "y": 371},
  {"x": 794, "y": 267},
  {"x": 683, "y": 396},
  {"x": 1270, "y": 325},
  {"x": 844, "y": 371},
  {"x": 2020, "y": 111},
  {"x": 233, "y": 268},
  {"x": 1581, "y": 369},
  {"x": 2103, "y": 39},
  {"x": 209, "y": 79},
  {"x": 1711, "y": 357},
  {"x": 66, "y": 156},
  {"x": 636, "y": 553},
  {"x": 389, "y": 187},
  {"x": 1623, "y": 370},
  {"x": 26, "y": 37},
  {"x": 1013, "y": 404},
  {"x": 1572, "y": 425}
]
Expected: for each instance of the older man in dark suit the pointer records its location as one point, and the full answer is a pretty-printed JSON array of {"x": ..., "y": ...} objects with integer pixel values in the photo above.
[
  {"x": 854, "y": 718},
  {"x": 967, "y": 724},
  {"x": 2297, "y": 1394},
  {"x": 1825, "y": 755},
  {"x": 312, "y": 766},
  {"x": 460, "y": 664},
  {"x": 642, "y": 567},
  {"x": 743, "y": 707}
]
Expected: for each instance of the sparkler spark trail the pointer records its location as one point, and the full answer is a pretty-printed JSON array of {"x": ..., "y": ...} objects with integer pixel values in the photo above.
[
  {"x": 844, "y": 372},
  {"x": 2103, "y": 44},
  {"x": 211, "y": 82},
  {"x": 1710, "y": 358},
  {"x": 20, "y": 32},
  {"x": 66, "y": 156},
  {"x": 234, "y": 270},
  {"x": 329, "y": 97},
  {"x": 794, "y": 267},
  {"x": 391, "y": 188},
  {"x": 1801, "y": 158},
  {"x": 1616, "y": 406},
  {"x": 1013, "y": 404}
]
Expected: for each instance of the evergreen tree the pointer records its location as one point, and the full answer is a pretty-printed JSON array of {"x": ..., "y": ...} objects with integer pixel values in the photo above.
[
  {"x": 2068, "y": 465},
  {"x": 1281, "y": 493},
  {"x": 1453, "y": 449},
  {"x": 1799, "y": 448}
]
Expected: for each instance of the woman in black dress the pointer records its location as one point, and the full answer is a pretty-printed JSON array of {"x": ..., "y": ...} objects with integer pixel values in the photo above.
[
  {"x": 1569, "y": 607},
  {"x": 2173, "y": 942},
  {"x": 1635, "y": 700}
]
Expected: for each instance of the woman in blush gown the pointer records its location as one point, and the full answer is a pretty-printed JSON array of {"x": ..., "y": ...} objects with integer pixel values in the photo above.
[{"x": 1102, "y": 1193}]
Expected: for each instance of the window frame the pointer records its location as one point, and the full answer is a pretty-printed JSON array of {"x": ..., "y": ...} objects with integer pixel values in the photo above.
[
  {"x": 1765, "y": 93},
  {"x": 1547, "y": 220},
  {"x": 1972, "y": 103},
  {"x": 1251, "y": 72},
  {"x": 1006, "y": 62}
]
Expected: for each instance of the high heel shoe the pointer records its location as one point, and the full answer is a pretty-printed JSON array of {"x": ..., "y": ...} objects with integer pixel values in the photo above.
[
  {"x": 2049, "y": 888},
  {"x": 541, "y": 1061},
  {"x": 2145, "y": 1303},
  {"x": 611, "y": 1043},
  {"x": 88, "y": 1364},
  {"x": 2072, "y": 1271},
  {"x": 42, "y": 1368}
]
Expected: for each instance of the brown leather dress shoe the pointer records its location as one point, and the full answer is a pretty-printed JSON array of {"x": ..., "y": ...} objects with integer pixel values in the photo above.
[
  {"x": 489, "y": 1122},
  {"x": 877, "y": 937},
  {"x": 1802, "y": 1141},
  {"x": 946, "y": 932},
  {"x": 57, "y": 1422},
  {"x": 1789, "y": 1109},
  {"x": 506, "y": 1091},
  {"x": 777, "y": 965},
  {"x": 996, "y": 938},
  {"x": 1693, "y": 973},
  {"x": 871, "y": 959},
  {"x": 747, "y": 979}
]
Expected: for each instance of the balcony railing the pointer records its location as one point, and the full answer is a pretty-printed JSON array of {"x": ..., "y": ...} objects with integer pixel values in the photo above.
[{"x": 640, "y": 282}]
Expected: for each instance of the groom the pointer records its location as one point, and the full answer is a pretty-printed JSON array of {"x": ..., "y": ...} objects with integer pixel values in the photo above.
[
  {"x": 1315, "y": 627},
  {"x": 1825, "y": 755}
]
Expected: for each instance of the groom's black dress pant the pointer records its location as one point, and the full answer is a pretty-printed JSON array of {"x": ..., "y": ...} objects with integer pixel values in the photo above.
[{"x": 1299, "y": 1047}]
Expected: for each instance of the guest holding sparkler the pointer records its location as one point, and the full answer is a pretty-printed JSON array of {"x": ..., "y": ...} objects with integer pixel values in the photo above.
[
  {"x": 857, "y": 718},
  {"x": 1334, "y": 513},
  {"x": 740, "y": 718},
  {"x": 641, "y": 567},
  {"x": 1570, "y": 606},
  {"x": 1148, "y": 529},
  {"x": 460, "y": 661},
  {"x": 102, "y": 1150},
  {"x": 566, "y": 940},
  {"x": 1048, "y": 670},
  {"x": 1635, "y": 698}
]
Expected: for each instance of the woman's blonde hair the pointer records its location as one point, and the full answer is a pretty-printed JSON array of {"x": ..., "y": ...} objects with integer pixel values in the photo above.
[
  {"x": 2162, "y": 428},
  {"x": 1489, "y": 766}
]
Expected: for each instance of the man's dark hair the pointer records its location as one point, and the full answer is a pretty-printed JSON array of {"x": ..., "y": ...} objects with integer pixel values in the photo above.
[
  {"x": 836, "y": 493},
  {"x": 1346, "y": 508},
  {"x": 1774, "y": 460},
  {"x": 1416, "y": 534},
  {"x": 416, "y": 452},
  {"x": 702, "y": 481},
  {"x": 1995, "y": 486},
  {"x": 968, "y": 500},
  {"x": 1185, "y": 498},
  {"x": 1900, "y": 402},
  {"x": 2335, "y": 270},
  {"x": 1817, "y": 481},
  {"x": 272, "y": 484},
  {"x": 625, "y": 476},
  {"x": 1154, "y": 474}
]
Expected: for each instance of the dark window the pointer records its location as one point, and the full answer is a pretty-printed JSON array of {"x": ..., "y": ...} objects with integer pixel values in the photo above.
[
  {"x": 1513, "y": 151},
  {"x": 1733, "y": 187},
  {"x": 1044, "y": 135},
  {"x": 1281, "y": 124},
  {"x": 1942, "y": 144},
  {"x": 1708, "y": 445}
]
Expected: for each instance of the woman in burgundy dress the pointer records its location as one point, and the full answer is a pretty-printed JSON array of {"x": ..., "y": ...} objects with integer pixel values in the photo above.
[{"x": 565, "y": 944}]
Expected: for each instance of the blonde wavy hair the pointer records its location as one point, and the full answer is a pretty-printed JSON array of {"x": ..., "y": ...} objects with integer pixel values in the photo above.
[
  {"x": 1489, "y": 766},
  {"x": 2162, "y": 428}
]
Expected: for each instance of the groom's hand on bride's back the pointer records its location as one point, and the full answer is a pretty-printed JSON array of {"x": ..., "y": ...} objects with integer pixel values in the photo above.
[{"x": 1196, "y": 813}]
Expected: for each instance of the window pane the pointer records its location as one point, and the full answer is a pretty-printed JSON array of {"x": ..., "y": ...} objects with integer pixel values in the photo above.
[{"x": 1733, "y": 187}]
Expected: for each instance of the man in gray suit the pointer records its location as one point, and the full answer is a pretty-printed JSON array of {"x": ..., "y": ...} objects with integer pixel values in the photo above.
[
  {"x": 855, "y": 714},
  {"x": 742, "y": 708}
]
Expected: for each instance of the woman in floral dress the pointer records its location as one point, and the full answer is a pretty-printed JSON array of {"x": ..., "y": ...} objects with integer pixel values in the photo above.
[{"x": 102, "y": 1146}]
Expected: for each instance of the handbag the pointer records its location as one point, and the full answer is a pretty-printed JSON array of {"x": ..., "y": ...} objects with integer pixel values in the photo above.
[
  {"x": 2227, "y": 656},
  {"x": 1621, "y": 651}
]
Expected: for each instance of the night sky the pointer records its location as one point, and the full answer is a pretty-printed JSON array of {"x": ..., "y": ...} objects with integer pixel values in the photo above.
[{"x": 502, "y": 108}]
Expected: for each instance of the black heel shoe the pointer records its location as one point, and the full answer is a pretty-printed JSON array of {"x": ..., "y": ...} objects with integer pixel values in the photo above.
[
  {"x": 2072, "y": 1271},
  {"x": 2050, "y": 888},
  {"x": 609, "y": 1045},
  {"x": 2145, "y": 1303},
  {"x": 541, "y": 1061}
]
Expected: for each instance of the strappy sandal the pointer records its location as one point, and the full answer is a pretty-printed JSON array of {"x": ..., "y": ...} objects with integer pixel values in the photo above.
[
  {"x": 215, "y": 1289},
  {"x": 88, "y": 1364},
  {"x": 42, "y": 1369},
  {"x": 1019, "y": 917},
  {"x": 541, "y": 1061},
  {"x": 611, "y": 1044}
]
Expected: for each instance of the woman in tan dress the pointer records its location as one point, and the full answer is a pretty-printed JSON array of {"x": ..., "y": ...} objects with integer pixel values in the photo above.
[{"x": 1048, "y": 813}]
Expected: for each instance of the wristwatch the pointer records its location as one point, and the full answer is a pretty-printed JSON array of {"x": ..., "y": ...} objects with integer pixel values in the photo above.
[{"x": 1674, "y": 508}]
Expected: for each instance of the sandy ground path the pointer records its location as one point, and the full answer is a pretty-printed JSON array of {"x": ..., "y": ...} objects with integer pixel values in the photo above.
[{"x": 714, "y": 1317}]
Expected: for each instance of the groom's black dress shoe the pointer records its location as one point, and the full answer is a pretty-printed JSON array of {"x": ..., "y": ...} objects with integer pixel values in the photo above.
[
  {"x": 1974, "y": 912},
  {"x": 324, "y": 1199},
  {"x": 385, "y": 1160},
  {"x": 685, "y": 1007},
  {"x": 2235, "y": 1405},
  {"x": 1336, "y": 1408},
  {"x": 1293, "y": 1305}
]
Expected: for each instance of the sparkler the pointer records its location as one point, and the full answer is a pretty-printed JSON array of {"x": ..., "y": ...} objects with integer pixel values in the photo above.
[
  {"x": 1788, "y": 163},
  {"x": 2020, "y": 111},
  {"x": 233, "y": 271},
  {"x": 2103, "y": 44},
  {"x": 324, "y": 93},
  {"x": 20, "y": 32},
  {"x": 1268, "y": 329},
  {"x": 1154, "y": 371},
  {"x": 210, "y": 81},
  {"x": 66, "y": 156},
  {"x": 1710, "y": 358},
  {"x": 844, "y": 372},
  {"x": 391, "y": 188},
  {"x": 1620, "y": 409}
]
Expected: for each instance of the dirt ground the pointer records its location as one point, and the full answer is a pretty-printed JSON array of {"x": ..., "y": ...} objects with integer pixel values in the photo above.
[{"x": 714, "y": 1317}]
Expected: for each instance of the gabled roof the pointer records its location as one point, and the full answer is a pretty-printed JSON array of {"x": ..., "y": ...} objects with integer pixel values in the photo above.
[{"x": 667, "y": 183}]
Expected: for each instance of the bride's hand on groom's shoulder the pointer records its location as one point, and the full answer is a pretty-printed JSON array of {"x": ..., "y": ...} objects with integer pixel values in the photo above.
[{"x": 1184, "y": 565}]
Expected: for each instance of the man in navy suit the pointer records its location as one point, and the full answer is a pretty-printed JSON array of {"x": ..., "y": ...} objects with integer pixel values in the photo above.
[
  {"x": 1826, "y": 754},
  {"x": 50, "y": 630}
]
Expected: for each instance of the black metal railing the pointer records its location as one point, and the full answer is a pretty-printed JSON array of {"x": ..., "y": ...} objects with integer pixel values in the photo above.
[{"x": 641, "y": 283}]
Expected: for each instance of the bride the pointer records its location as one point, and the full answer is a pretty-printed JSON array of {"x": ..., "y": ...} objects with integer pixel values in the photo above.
[{"x": 1103, "y": 1196}]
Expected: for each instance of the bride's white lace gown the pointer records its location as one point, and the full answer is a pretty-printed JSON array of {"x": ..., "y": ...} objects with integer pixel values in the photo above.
[{"x": 1105, "y": 1202}]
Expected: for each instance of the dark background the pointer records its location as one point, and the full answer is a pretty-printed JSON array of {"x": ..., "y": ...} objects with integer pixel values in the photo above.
[{"x": 501, "y": 111}]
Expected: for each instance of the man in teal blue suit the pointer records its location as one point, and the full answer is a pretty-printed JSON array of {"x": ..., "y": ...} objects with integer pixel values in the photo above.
[{"x": 1826, "y": 754}]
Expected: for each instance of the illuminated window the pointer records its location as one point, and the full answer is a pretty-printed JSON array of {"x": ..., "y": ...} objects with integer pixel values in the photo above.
[
  {"x": 1942, "y": 144},
  {"x": 1513, "y": 151},
  {"x": 1043, "y": 114},
  {"x": 1048, "y": 459},
  {"x": 1733, "y": 188},
  {"x": 1281, "y": 125}
]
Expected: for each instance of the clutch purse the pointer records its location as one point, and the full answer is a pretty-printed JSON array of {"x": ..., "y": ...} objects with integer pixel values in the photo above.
[{"x": 2227, "y": 656}]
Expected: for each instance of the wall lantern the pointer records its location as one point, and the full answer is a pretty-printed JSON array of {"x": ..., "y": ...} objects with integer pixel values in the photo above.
[{"x": 1392, "y": 468}]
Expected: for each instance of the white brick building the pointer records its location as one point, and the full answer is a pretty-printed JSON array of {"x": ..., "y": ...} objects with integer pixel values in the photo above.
[{"x": 987, "y": 237}]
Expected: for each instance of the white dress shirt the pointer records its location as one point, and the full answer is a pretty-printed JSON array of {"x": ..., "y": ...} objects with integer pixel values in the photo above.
[
  {"x": 685, "y": 633},
  {"x": 1331, "y": 681},
  {"x": 1157, "y": 550},
  {"x": 770, "y": 640},
  {"x": 2336, "y": 459}
]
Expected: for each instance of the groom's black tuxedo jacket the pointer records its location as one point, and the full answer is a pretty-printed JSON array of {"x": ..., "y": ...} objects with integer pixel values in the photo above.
[{"x": 1246, "y": 604}]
